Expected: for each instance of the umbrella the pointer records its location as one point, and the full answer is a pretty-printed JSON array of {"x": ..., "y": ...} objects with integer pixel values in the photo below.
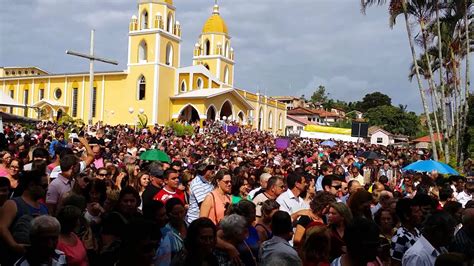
[
  {"x": 155, "y": 155},
  {"x": 370, "y": 155},
  {"x": 430, "y": 165},
  {"x": 329, "y": 143}
]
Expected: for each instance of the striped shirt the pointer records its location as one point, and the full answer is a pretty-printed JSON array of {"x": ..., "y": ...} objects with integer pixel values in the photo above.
[{"x": 199, "y": 189}]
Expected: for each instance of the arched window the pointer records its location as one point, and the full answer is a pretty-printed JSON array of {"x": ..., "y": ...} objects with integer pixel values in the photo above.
[
  {"x": 280, "y": 122},
  {"x": 141, "y": 88},
  {"x": 260, "y": 119},
  {"x": 169, "y": 23},
  {"x": 200, "y": 83},
  {"x": 226, "y": 49},
  {"x": 144, "y": 20},
  {"x": 183, "y": 86},
  {"x": 142, "y": 52},
  {"x": 270, "y": 120},
  {"x": 207, "y": 47},
  {"x": 169, "y": 54},
  {"x": 226, "y": 75}
]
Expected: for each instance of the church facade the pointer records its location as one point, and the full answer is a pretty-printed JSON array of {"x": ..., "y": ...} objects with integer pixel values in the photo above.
[{"x": 154, "y": 82}]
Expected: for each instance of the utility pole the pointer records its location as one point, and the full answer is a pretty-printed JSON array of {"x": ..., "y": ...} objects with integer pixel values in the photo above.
[{"x": 91, "y": 58}]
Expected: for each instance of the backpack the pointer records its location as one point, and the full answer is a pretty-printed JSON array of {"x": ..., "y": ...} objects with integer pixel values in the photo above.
[{"x": 20, "y": 228}]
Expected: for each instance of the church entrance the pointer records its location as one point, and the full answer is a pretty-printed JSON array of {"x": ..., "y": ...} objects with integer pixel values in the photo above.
[
  {"x": 226, "y": 110},
  {"x": 211, "y": 113},
  {"x": 189, "y": 114}
]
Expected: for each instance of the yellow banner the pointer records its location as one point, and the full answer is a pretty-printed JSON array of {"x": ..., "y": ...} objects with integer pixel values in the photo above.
[{"x": 324, "y": 129}]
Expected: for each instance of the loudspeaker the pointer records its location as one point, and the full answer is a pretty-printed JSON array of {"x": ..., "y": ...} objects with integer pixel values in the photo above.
[{"x": 360, "y": 129}]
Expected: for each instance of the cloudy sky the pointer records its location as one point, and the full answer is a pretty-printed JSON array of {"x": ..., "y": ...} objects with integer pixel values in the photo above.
[{"x": 282, "y": 47}]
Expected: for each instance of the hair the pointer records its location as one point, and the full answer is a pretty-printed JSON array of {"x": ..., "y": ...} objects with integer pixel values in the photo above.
[
  {"x": 356, "y": 233},
  {"x": 220, "y": 175},
  {"x": 343, "y": 210},
  {"x": 150, "y": 209},
  {"x": 268, "y": 206},
  {"x": 5, "y": 182},
  {"x": 2, "y": 154},
  {"x": 378, "y": 216},
  {"x": 358, "y": 198},
  {"x": 99, "y": 186},
  {"x": 42, "y": 223},
  {"x": 445, "y": 193},
  {"x": 138, "y": 183},
  {"x": 75, "y": 200},
  {"x": 272, "y": 182},
  {"x": 292, "y": 179},
  {"x": 68, "y": 216},
  {"x": 403, "y": 208},
  {"x": 67, "y": 162},
  {"x": 245, "y": 208},
  {"x": 40, "y": 152},
  {"x": 281, "y": 223},
  {"x": 321, "y": 200},
  {"x": 169, "y": 205},
  {"x": 317, "y": 245},
  {"x": 28, "y": 177},
  {"x": 191, "y": 241},
  {"x": 130, "y": 190},
  {"x": 233, "y": 225},
  {"x": 327, "y": 180},
  {"x": 350, "y": 183},
  {"x": 168, "y": 172},
  {"x": 237, "y": 182}
]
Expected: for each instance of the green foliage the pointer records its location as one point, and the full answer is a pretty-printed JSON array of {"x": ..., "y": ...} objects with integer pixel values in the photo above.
[
  {"x": 180, "y": 129},
  {"x": 142, "y": 121},
  {"x": 394, "y": 120},
  {"x": 343, "y": 124},
  {"x": 320, "y": 95},
  {"x": 372, "y": 100}
]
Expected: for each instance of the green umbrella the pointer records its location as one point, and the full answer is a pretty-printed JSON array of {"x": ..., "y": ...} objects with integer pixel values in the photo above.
[{"x": 155, "y": 155}]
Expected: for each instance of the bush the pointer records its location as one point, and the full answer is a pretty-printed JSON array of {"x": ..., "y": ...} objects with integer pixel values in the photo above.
[{"x": 180, "y": 129}]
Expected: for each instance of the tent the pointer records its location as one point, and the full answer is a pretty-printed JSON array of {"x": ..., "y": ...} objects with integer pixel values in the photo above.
[{"x": 6, "y": 100}]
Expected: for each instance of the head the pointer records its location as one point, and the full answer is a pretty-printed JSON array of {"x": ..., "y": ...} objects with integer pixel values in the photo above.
[
  {"x": 296, "y": 182},
  {"x": 317, "y": 244},
  {"x": 320, "y": 202},
  {"x": 282, "y": 225},
  {"x": 385, "y": 219},
  {"x": 69, "y": 166},
  {"x": 5, "y": 158},
  {"x": 339, "y": 213},
  {"x": 234, "y": 228},
  {"x": 15, "y": 167},
  {"x": 353, "y": 186},
  {"x": 468, "y": 220},
  {"x": 142, "y": 181},
  {"x": 155, "y": 211},
  {"x": 96, "y": 191},
  {"x": 171, "y": 178},
  {"x": 128, "y": 201},
  {"x": 33, "y": 184},
  {"x": 201, "y": 236},
  {"x": 275, "y": 186},
  {"x": 245, "y": 208},
  {"x": 175, "y": 210},
  {"x": 362, "y": 240},
  {"x": 409, "y": 212},
  {"x": 68, "y": 216},
  {"x": 264, "y": 179},
  {"x": 44, "y": 234},
  {"x": 269, "y": 207},
  {"x": 439, "y": 229},
  {"x": 156, "y": 174},
  {"x": 223, "y": 180},
  {"x": 331, "y": 184},
  {"x": 101, "y": 173},
  {"x": 359, "y": 203},
  {"x": 455, "y": 209}
]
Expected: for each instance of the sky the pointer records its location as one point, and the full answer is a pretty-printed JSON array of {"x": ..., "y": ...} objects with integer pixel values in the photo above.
[{"x": 282, "y": 47}]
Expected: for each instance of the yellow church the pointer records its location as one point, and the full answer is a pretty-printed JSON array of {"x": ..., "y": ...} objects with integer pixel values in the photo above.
[{"x": 154, "y": 82}]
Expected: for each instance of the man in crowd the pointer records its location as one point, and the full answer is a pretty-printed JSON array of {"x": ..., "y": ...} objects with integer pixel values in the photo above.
[
  {"x": 275, "y": 186},
  {"x": 156, "y": 183},
  {"x": 325, "y": 169},
  {"x": 63, "y": 183},
  {"x": 263, "y": 185},
  {"x": 170, "y": 190},
  {"x": 290, "y": 201},
  {"x": 464, "y": 239},
  {"x": 199, "y": 188}
]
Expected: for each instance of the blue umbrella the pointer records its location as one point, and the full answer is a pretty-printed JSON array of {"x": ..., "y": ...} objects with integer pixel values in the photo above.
[
  {"x": 430, "y": 165},
  {"x": 329, "y": 143}
]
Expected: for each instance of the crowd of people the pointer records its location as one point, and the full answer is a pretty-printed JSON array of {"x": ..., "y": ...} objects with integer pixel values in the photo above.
[{"x": 71, "y": 197}]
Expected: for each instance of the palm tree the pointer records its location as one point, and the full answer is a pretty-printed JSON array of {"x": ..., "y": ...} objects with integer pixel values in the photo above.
[{"x": 399, "y": 7}]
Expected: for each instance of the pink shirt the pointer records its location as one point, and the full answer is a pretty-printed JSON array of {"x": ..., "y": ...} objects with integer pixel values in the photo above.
[{"x": 76, "y": 255}]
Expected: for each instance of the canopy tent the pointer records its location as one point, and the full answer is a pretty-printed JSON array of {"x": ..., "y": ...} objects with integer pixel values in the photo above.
[{"x": 6, "y": 100}]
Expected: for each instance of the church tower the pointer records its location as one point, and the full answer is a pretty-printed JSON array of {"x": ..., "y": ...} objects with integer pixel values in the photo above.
[
  {"x": 153, "y": 52},
  {"x": 213, "y": 49}
]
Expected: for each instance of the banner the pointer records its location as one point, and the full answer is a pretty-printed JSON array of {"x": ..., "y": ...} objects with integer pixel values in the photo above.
[
  {"x": 282, "y": 143},
  {"x": 232, "y": 129}
]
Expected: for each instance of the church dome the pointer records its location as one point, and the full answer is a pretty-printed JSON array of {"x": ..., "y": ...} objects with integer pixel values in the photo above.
[
  {"x": 170, "y": 2},
  {"x": 215, "y": 23}
]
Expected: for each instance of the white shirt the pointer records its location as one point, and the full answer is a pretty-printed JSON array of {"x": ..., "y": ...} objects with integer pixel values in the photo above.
[
  {"x": 252, "y": 193},
  {"x": 462, "y": 197},
  {"x": 422, "y": 253},
  {"x": 291, "y": 204},
  {"x": 57, "y": 170}
]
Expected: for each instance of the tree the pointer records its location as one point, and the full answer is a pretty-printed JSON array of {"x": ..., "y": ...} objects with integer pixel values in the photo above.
[
  {"x": 393, "y": 119},
  {"x": 372, "y": 100},
  {"x": 319, "y": 96}
]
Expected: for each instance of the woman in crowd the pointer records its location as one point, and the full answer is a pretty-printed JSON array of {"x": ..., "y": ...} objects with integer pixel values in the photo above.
[
  {"x": 5, "y": 159},
  {"x": 14, "y": 170},
  {"x": 216, "y": 202},
  {"x": 264, "y": 223},
  {"x": 234, "y": 231},
  {"x": 319, "y": 208},
  {"x": 69, "y": 242},
  {"x": 359, "y": 203},
  {"x": 95, "y": 194},
  {"x": 199, "y": 245},
  {"x": 339, "y": 216},
  {"x": 316, "y": 247},
  {"x": 141, "y": 182},
  {"x": 173, "y": 233}
]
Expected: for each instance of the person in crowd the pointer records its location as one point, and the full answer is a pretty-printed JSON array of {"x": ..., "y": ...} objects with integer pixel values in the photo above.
[
  {"x": 466, "y": 195},
  {"x": 339, "y": 216},
  {"x": 263, "y": 181},
  {"x": 325, "y": 169},
  {"x": 101, "y": 173},
  {"x": 362, "y": 241},
  {"x": 138, "y": 243},
  {"x": 332, "y": 185},
  {"x": 5, "y": 189},
  {"x": 199, "y": 244},
  {"x": 238, "y": 184},
  {"x": 14, "y": 171},
  {"x": 291, "y": 201},
  {"x": 174, "y": 232},
  {"x": 411, "y": 216},
  {"x": 354, "y": 174},
  {"x": 5, "y": 159},
  {"x": 44, "y": 235},
  {"x": 199, "y": 188},
  {"x": 264, "y": 222},
  {"x": 234, "y": 231},
  {"x": 359, "y": 203},
  {"x": 316, "y": 247},
  {"x": 319, "y": 207},
  {"x": 141, "y": 182},
  {"x": 463, "y": 241},
  {"x": 17, "y": 213},
  {"x": 69, "y": 243},
  {"x": 386, "y": 220},
  {"x": 352, "y": 187},
  {"x": 156, "y": 213},
  {"x": 279, "y": 245},
  {"x": 156, "y": 183},
  {"x": 438, "y": 232},
  {"x": 455, "y": 209},
  {"x": 59, "y": 141},
  {"x": 95, "y": 194},
  {"x": 217, "y": 201},
  {"x": 275, "y": 187}
]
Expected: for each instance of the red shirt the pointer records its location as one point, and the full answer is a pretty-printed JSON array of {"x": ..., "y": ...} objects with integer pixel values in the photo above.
[{"x": 164, "y": 195}]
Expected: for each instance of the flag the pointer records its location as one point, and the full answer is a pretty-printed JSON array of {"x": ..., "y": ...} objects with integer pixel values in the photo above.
[
  {"x": 232, "y": 129},
  {"x": 282, "y": 143}
]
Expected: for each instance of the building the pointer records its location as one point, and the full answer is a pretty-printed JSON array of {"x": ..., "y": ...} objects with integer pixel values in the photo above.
[
  {"x": 292, "y": 102},
  {"x": 380, "y": 136},
  {"x": 154, "y": 82},
  {"x": 317, "y": 116},
  {"x": 425, "y": 141}
]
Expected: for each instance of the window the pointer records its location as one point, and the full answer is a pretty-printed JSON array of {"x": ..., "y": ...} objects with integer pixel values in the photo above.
[
  {"x": 144, "y": 20},
  {"x": 142, "y": 52},
  {"x": 270, "y": 120},
  {"x": 94, "y": 101},
  {"x": 299, "y": 128},
  {"x": 75, "y": 93},
  {"x": 183, "y": 86},
  {"x": 226, "y": 75},
  {"x": 170, "y": 23},
  {"x": 169, "y": 54},
  {"x": 58, "y": 93},
  {"x": 12, "y": 95},
  {"x": 207, "y": 47},
  {"x": 141, "y": 88},
  {"x": 379, "y": 140},
  {"x": 226, "y": 49},
  {"x": 25, "y": 101},
  {"x": 6, "y": 73},
  {"x": 41, "y": 94},
  {"x": 200, "y": 83}
]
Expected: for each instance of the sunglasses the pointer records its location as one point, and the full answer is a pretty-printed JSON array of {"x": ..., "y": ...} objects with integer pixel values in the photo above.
[
  {"x": 337, "y": 187},
  {"x": 226, "y": 181}
]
